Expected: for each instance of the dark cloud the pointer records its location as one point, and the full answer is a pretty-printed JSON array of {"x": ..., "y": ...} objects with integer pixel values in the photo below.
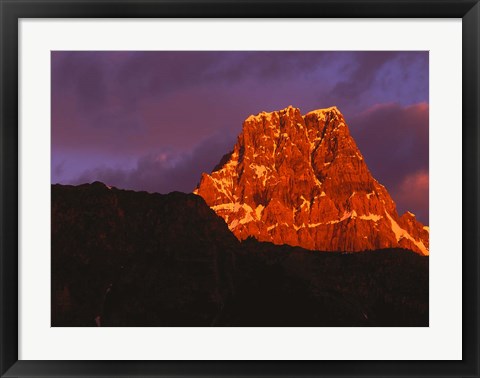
[
  {"x": 360, "y": 75},
  {"x": 97, "y": 75},
  {"x": 381, "y": 76},
  {"x": 165, "y": 171},
  {"x": 99, "y": 99},
  {"x": 394, "y": 141},
  {"x": 272, "y": 65},
  {"x": 82, "y": 73}
]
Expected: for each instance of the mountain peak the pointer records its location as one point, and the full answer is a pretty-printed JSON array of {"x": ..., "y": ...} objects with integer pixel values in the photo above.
[
  {"x": 291, "y": 111},
  {"x": 267, "y": 116},
  {"x": 323, "y": 111},
  {"x": 301, "y": 180}
]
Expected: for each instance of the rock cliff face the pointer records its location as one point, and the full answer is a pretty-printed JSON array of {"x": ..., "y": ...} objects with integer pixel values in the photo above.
[{"x": 301, "y": 180}]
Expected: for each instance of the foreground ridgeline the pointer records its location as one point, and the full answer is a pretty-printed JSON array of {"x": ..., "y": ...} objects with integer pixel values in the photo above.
[
  {"x": 124, "y": 258},
  {"x": 302, "y": 181}
]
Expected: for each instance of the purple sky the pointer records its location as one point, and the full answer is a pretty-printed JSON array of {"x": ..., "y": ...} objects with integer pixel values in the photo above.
[{"x": 156, "y": 120}]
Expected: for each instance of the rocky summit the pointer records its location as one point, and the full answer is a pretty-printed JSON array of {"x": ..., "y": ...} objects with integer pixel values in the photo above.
[{"x": 301, "y": 180}]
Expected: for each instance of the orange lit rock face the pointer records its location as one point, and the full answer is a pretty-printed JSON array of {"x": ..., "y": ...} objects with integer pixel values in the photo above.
[{"x": 301, "y": 180}]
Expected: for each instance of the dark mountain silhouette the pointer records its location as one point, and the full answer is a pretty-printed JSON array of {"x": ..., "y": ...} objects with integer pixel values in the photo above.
[{"x": 124, "y": 258}]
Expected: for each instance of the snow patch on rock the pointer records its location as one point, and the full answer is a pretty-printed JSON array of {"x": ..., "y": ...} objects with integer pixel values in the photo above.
[{"x": 401, "y": 233}]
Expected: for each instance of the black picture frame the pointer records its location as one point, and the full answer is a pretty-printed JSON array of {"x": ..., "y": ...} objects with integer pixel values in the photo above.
[{"x": 13, "y": 10}]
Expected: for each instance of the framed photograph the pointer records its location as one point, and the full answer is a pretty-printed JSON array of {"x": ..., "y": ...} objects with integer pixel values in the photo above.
[{"x": 239, "y": 189}]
